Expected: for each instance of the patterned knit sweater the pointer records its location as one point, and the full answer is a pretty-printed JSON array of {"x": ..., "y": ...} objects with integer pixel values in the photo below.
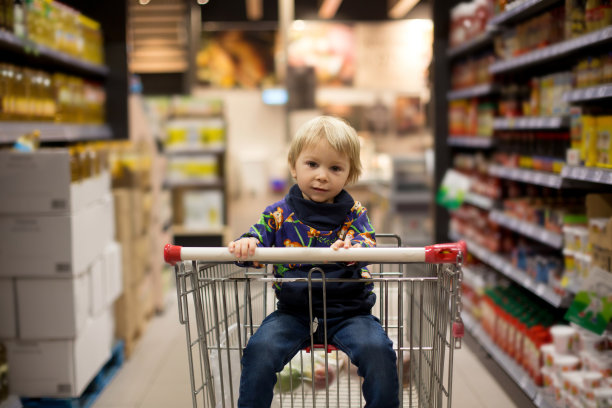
[{"x": 297, "y": 222}]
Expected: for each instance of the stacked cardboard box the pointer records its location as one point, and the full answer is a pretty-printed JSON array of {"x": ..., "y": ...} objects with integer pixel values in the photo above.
[
  {"x": 60, "y": 275},
  {"x": 139, "y": 235}
]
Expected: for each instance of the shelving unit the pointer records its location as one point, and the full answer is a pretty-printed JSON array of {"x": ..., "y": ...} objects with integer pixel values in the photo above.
[
  {"x": 112, "y": 16},
  {"x": 585, "y": 179},
  {"x": 193, "y": 133}
]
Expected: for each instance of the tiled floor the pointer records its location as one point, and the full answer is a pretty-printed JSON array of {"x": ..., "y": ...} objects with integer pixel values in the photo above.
[{"x": 157, "y": 376}]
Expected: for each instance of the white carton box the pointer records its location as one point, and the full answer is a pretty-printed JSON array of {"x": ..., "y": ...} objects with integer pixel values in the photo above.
[
  {"x": 40, "y": 182},
  {"x": 8, "y": 320},
  {"x": 60, "y": 368},
  {"x": 55, "y": 245},
  {"x": 97, "y": 286},
  {"x": 50, "y": 308},
  {"x": 113, "y": 272}
]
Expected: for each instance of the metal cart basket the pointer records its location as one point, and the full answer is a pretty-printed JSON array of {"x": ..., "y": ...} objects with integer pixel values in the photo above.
[{"x": 418, "y": 303}]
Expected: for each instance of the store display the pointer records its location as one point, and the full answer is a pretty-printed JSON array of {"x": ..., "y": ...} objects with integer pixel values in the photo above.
[{"x": 545, "y": 133}]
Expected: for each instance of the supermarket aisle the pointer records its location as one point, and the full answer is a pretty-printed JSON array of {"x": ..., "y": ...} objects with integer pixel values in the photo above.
[{"x": 157, "y": 374}]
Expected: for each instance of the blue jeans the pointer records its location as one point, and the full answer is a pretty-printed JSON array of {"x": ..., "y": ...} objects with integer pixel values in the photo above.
[{"x": 282, "y": 335}]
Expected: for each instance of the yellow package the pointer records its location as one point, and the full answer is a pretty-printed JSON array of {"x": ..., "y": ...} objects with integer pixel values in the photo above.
[
  {"x": 604, "y": 141},
  {"x": 588, "y": 150}
]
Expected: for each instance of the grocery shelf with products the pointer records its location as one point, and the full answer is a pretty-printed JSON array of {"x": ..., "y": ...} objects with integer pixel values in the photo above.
[
  {"x": 534, "y": 212},
  {"x": 192, "y": 133},
  {"x": 55, "y": 71}
]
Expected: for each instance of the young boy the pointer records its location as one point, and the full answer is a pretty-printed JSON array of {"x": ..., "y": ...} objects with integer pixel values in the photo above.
[{"x": 318, "y": 212}]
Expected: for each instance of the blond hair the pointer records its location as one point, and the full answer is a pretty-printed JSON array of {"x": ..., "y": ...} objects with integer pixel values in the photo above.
[{"x": 340, "y": 135}]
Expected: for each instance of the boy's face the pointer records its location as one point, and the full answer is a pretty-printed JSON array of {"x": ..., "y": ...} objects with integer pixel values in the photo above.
[{"x": 321, "y": 172}]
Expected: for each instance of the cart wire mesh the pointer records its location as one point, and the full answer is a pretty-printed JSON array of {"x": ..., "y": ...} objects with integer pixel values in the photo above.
[{"x": 222, "y": 305}]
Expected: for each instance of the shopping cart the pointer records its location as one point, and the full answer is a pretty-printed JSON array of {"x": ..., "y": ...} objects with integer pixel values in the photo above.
[{"x": 418, "y": 304}]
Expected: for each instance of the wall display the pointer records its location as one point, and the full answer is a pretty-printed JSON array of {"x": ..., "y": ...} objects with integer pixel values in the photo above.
[
  {"x": 409, "y": 115},
  {"x": 236, "y": 59},
  {"x": 329, "y": 48}
]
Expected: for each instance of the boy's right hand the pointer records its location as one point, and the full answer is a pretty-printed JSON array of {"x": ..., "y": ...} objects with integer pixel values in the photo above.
[{"x": 244, "y": 248}]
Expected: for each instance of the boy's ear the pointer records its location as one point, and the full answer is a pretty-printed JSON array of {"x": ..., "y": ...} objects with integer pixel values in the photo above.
[{"x": 293, "y": 172}]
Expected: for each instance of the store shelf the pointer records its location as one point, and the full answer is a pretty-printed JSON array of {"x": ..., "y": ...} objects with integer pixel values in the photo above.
[
  {"x": 588, "y": 174},
  {"x": 532, "y": 122},
  {"x": 502, "y": 265},
  {"x": 193, "y": 151},
  {"x": 199, "y": 232},
  {"x": 473, "y": 92},
  {"x": 526, "y": 176},
  {"x": 527, "y": 229},
  {"x": 54, "y": 132},
  {"x": 475, "y": 142},
  {"x": 481, "y": 41},
  {"x": 10, "y": 41},
  {"x": 510, "y": 366},
  {"x": 193, "y": 183},
  {"x": 552, "y": 52},
  {"x": 591, "y": 93},
  {"x": 520, "y": 10},
  {"x": 486, "y": 203}
]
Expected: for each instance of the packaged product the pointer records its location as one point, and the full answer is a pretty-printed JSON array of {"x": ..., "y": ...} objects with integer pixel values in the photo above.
[
  {"x": 604, "y": 141},
  {"x": 588, "y": 152}
]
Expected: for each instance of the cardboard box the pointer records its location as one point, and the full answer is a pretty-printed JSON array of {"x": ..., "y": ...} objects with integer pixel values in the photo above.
[
  {"x": 8, "y": 320},
  {"x": 51, "y": 308},
  {"x": 129, "y": 213},
  {"x": 60, "y": 368},
  {"x": 40, "y": 182},
  {"x": 113, "y": 272},
  {"x": 55, "y": 245}
]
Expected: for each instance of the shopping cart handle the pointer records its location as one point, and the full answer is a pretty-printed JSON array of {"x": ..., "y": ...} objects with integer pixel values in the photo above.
[
  {"x": 445, "y": 253},
  {"x": 440, "y": 253}
]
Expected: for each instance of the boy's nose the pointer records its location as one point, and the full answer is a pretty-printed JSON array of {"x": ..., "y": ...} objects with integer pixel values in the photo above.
[{"x": 321, "y": 175}]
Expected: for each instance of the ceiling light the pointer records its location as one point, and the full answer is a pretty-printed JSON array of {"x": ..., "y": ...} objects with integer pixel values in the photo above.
[
  {"x": 401, "y": 8},
  {"x": 202, "y": 2},
  {"x": 144, "y": 2},
  {"x": 328, "y": 8}
]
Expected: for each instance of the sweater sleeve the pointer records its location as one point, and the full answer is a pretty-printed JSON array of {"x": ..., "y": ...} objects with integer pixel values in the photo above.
[{"x": 361, "y": 229}]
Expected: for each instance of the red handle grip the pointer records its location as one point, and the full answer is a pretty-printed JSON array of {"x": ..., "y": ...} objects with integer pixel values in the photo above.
[
  {"x": 172, "y": 254},
  {"x": 444, "y": 253}
]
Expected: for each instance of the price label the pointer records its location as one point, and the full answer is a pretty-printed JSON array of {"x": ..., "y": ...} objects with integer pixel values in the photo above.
[
  {"x": 608, "y": 178},
  {"x": 543, "y": 236},
  {"x": 540, "y": 289},
  {"x": 602, "y": 91},
  {"x": 589, "y": 93},
  {"x": 575, "y": 172},
  {"x": 538, "y": 178},
  {"x": 596, "y": 175},
  {"x": 583, "y": 173}
]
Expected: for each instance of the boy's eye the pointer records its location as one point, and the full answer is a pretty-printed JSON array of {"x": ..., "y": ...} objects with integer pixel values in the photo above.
[
  {"x": 311, "y": 164},
  {"x": 336, "y": 168}
]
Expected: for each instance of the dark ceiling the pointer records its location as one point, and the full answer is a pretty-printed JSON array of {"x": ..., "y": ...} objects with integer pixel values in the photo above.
[{"x": 349, "y": 10}]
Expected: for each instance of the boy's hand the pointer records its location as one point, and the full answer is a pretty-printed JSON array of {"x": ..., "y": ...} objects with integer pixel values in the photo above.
[
  {"x": 344, "y": 244},
  {"x": 243, "y": 248}
]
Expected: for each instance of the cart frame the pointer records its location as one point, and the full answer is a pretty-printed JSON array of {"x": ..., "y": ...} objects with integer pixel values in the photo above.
[{"x": 229, "y": 302}]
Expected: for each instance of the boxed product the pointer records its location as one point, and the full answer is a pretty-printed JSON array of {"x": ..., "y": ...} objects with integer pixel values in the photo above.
[
  {"x": 113, "y": 272},
  {"x": 60, "y": 368},
  {"x": 52, "y": 308},
  {"x": 41, "y": 182},
  {"x": 8, "y": 326},
  {"x": 55, "y": 245}
]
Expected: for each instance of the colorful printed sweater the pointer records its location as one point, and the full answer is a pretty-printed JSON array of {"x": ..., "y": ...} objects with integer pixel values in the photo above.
[{"x": 297, "y": 222}]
